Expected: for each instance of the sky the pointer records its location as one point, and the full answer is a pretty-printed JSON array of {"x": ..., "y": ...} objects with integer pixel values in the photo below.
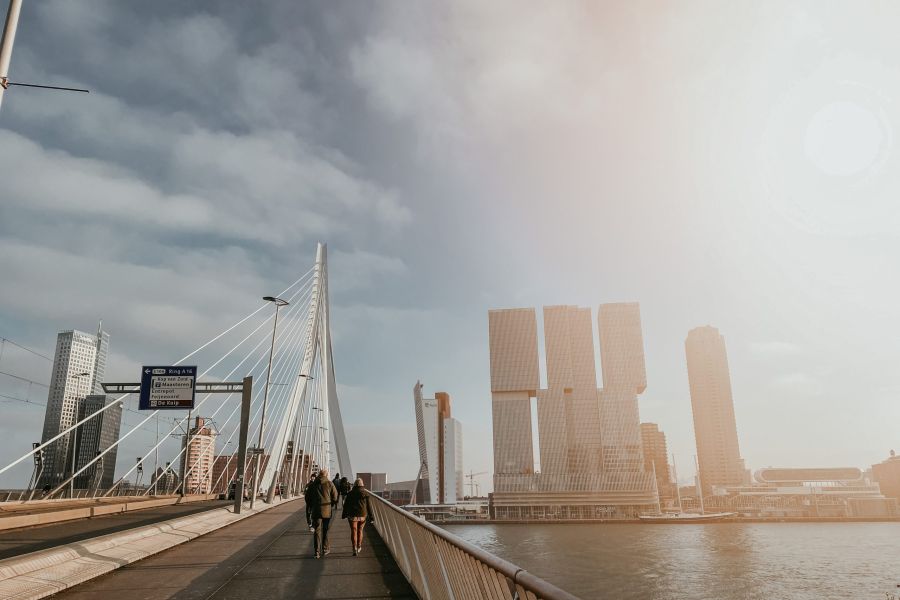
[{"x": 729, "y": 164}]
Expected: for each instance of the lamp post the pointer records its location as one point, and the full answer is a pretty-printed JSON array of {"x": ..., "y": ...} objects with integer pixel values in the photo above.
[
  {"x": 6, "y": 42},
  {"x": 278, "y": 302},
  {"x": 79, "y": 377}
]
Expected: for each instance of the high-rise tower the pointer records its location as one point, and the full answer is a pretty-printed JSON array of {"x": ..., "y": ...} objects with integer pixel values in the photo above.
[
  {"x": 713, "y": 407},
  {"x": 588, "y": 439},
  {"x": 440, "y": 448},
  {"x": 200, "y": 457},
  {"x": 515, "y": 379},
  {"x": 79, "y": 364},
  {"x": 624, "y": 377},
  {"x": 656, "y": 458}
]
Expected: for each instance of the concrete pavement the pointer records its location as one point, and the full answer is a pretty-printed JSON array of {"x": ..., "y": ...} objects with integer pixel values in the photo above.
[{"x": 269, "y": 555}]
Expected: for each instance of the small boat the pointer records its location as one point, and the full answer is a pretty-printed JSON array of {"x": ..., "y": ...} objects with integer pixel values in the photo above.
[{"x": 685, "y": 517}]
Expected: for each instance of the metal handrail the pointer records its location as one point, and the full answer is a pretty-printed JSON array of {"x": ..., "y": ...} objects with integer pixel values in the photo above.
[{"x": 441, "y": 575}]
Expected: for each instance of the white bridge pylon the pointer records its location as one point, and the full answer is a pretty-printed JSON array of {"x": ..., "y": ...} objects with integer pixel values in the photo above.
[{"x": 313, "y": 415}]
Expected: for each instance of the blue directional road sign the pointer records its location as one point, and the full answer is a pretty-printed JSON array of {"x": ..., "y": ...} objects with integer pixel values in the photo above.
[{"x": 168, "y": 388}]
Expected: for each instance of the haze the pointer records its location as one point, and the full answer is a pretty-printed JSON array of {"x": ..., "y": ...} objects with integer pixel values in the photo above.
[{"x": 724, "y": 164}]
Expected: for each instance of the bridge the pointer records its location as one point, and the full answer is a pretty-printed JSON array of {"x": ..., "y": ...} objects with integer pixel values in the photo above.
[{"x": 225, "y": 517}]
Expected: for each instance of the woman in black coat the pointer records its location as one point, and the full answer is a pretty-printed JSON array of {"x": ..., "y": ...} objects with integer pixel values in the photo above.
[{"x": 357, "y": 511}]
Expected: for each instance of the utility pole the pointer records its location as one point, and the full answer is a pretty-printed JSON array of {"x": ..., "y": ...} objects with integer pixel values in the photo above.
[{"x": 6, "y": 43}]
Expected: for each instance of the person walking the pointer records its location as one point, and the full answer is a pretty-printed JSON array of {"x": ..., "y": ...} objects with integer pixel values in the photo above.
[
  {"x": 344, "y": 489},
  {"x": 357, "y": 511},
  {"x": 308, "y": 500},
  {"x": 323, "y": 497}
]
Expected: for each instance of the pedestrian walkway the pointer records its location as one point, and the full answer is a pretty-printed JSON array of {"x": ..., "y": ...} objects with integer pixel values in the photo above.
[{"x": 269, "y": 555}]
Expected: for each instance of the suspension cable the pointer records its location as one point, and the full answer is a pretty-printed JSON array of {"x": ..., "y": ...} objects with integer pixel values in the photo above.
[{"x": 199, "y": 404}]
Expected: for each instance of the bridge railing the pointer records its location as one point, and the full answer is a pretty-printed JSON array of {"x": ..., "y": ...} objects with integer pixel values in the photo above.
[{"x": 440, "y": 565}]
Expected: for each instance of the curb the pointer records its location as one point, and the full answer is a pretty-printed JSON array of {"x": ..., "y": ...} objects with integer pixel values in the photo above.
[
  {"x": 46, "y": 572},
  {"x": 11, "y": 520}
]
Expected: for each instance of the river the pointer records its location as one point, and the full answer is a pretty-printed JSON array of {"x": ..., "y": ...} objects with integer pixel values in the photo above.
[{"x": 722, "y": 561}]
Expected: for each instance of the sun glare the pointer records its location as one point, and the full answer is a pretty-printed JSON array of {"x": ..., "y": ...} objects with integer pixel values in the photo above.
[{"x": 844, "y": 139}]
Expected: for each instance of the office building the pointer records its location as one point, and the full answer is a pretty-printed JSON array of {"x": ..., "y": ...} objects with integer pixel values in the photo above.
[
  {"x": 440, "y": 448},
  {"x": 588, "y": 441},
  {"x": 94, "y": 437},
  {"x": 715, "y": 429},
  {"x": 374, "y": 482},
  {"x": 887, "y": 475},
  {"x": 656, "y": 458},
  {"x": 79, "y": 363},
  {"x": 164, "y": 480},
  {"x": 832, "y": 492},
  {"x": 200, "y": 456}
]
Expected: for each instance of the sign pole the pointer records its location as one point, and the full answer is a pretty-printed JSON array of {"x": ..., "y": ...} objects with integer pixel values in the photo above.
[
  {"x": 184, "y": 457},
  {"x": 246, "y": 397}
]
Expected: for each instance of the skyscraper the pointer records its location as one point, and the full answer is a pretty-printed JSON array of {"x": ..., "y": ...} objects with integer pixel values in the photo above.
[
  {"x": 79, "y": 364},
  {"x": 440, "y": 449},
  {"x": 656, "y": 458},
  {"x": 624, "y": 377},
  {"x": 95, "y": 436},
  {"x": 515, "y": 378},
  {"x": 713, "y": 407},
  {"x": 588, "y": 439}
]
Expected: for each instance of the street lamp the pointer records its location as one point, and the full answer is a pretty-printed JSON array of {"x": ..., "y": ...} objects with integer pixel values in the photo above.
[
  {"x": 75, "y": 438},
  {"x": 278, "y": 302}
]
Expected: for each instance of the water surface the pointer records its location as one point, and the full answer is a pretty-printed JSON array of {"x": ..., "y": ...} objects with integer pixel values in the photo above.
[{"x": 725, "y": 561}]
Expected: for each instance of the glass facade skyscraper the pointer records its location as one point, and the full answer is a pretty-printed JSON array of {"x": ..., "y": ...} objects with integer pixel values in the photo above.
[
  {"x": 79, "y": 364},
  {"x": 715, "y": 428},
  {"x": 588, "y": 439},
  {"x": 440, "y": 449}
]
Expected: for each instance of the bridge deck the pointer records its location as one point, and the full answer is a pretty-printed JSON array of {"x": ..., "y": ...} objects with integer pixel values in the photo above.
[
  {"x": 267, "y": 556},
  {"x": 15, "y": 542}
]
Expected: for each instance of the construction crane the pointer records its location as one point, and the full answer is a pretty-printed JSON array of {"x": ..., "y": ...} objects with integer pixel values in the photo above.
[{"x": 474, "y": 490}]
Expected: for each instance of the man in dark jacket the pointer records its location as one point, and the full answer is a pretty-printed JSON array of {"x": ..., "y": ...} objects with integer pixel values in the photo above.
[
  {"x": 322, "y": 497},
  {"x": 307, "y": 497}
]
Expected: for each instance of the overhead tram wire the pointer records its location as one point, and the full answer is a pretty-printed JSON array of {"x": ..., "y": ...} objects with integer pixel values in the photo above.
[
  {"x": 281, "y": 367},
  {"x": 198, "y": 405},
  {"x": 120, "y": 398},
  {"x": 4, "y": 340}
]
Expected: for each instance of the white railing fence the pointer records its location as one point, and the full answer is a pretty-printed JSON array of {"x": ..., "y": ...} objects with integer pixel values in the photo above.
[{"x": 441, "y": 566}]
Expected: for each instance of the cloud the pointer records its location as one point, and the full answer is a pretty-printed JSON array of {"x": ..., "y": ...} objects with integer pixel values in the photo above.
[{"x": 775, "y": 349}]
